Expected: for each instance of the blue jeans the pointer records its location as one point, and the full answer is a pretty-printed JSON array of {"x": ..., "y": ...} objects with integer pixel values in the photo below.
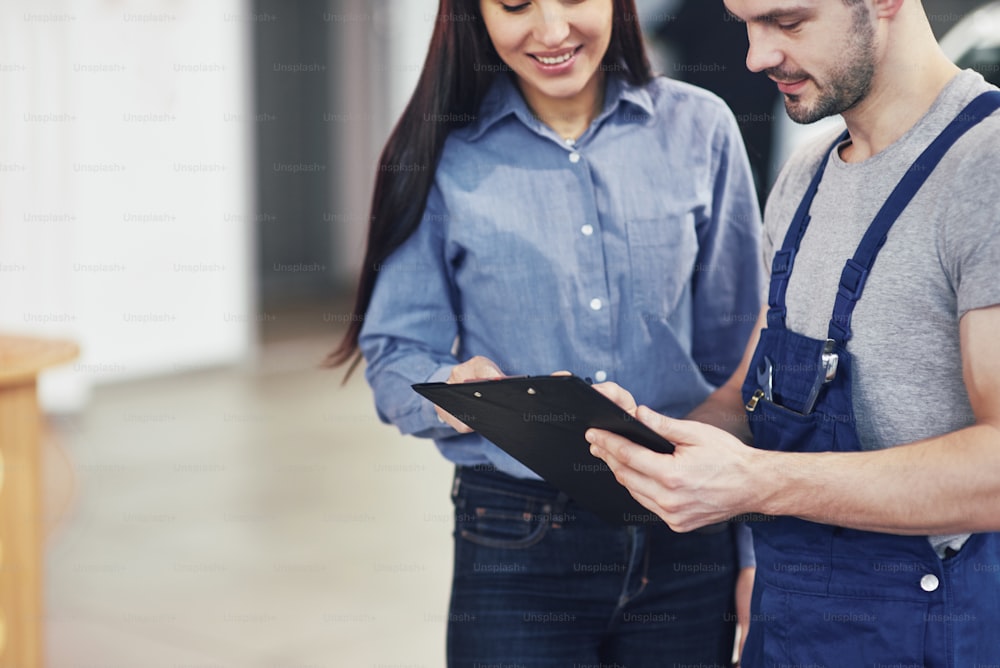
[{"x": 541, "y": 582}]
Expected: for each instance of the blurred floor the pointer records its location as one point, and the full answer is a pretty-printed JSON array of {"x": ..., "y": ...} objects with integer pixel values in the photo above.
[{"x": 245, "y": 518}]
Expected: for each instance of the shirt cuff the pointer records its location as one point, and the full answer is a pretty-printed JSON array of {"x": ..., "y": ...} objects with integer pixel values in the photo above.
[{"x": 439, "y": 376}]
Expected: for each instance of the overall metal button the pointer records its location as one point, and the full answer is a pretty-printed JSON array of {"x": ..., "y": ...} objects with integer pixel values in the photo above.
[{"x": 929, "y": 582}]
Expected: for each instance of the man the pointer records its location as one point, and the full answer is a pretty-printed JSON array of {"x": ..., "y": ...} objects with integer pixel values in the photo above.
[{"x": 870, "y": 390}]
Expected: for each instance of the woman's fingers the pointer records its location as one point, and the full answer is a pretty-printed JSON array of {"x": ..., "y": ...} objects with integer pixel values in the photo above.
[{"x": 619, "y": 395}]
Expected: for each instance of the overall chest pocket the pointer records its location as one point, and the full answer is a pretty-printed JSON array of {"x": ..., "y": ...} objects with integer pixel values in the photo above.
[{"x": 662, "y": 256}]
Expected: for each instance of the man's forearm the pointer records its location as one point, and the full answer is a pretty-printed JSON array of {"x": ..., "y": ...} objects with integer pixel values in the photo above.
[{"x": 947, "y": 484}]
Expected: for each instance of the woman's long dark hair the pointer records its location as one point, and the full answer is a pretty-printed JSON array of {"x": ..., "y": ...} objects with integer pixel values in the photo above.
[{"x": 460, "y": 66}]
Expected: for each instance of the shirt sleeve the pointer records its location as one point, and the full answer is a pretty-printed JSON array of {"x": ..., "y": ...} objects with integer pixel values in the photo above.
[
  {"x": 971, "y": 225},
  {"x": 744, "y": 546},
  {"x": 728, "y": 277},
  {"x": 411, "y": 325}
]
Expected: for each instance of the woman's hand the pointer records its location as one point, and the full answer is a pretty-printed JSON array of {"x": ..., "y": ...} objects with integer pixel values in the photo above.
[
  {"x": 619, "y": 395},
  {"x": 477, "y": 368},
  {"x": 744, "y": 591}
]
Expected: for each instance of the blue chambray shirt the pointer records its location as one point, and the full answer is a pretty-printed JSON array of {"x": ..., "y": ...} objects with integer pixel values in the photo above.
[{"x": 630, "y": 255}]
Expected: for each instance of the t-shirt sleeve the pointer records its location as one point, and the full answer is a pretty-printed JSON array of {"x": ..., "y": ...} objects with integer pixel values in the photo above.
[{"x": 972, "y": 223}]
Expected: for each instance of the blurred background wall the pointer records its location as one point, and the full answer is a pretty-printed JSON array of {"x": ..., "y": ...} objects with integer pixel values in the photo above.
[
  {"x": 175, "y": 174},
  {"x": 125, "y": 185}
]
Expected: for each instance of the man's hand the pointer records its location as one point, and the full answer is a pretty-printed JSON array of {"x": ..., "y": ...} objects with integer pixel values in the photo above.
[
  {"x": 706, "y": 480},
  {"x": 477, "y": 368}
]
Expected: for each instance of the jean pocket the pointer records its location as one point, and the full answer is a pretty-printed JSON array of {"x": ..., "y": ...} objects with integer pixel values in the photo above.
[
  {"x": 493, "y": 527},
  {"x": 501, "y": 519}
]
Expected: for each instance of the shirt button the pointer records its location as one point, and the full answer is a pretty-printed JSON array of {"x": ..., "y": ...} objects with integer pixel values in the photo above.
[
  {"x": 570, "y": 141},
  {"x": 574, "y": 157},
  {"x": 929, "y": 582},
  {"x": 601, "y": 376},
  {"x": 596, "y": 304},
  {"x": 587, "y": 230}
]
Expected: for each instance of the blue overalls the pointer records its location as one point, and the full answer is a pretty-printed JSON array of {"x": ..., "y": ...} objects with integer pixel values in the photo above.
[{"x": 837, "y": 597}]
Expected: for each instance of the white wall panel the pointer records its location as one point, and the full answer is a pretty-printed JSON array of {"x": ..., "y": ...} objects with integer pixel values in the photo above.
[{"x": 125, "y": 192}]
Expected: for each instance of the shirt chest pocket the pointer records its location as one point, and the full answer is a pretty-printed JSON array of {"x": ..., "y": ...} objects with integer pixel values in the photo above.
[{"x": 663, "y": 253}]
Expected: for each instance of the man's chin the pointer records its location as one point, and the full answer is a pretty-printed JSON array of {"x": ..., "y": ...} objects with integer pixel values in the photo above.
[{"x": 799, "y": 112}]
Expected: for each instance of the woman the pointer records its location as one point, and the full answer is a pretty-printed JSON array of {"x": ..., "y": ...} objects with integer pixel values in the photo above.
[{"x": 546, "y": 203}]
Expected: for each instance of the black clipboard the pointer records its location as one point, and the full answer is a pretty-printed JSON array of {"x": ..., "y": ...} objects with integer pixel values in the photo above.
[{"x": 541, "y": 422}]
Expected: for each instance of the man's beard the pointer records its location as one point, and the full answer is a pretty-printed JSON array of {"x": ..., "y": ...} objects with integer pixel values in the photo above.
[{"x": 848, "y": 84}]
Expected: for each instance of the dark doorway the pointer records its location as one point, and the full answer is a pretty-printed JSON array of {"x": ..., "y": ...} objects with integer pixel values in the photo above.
[{"x": 295, "y": 176}]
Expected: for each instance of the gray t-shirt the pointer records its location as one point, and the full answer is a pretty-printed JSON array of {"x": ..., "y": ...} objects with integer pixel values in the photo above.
[{"x": 941, "y": 259}]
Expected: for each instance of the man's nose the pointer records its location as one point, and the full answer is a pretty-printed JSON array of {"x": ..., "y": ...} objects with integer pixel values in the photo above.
[{"x": 763, "y": 53}]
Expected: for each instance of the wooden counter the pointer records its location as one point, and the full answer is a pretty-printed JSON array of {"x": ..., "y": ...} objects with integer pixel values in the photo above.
[{"x": 21, "y": 550}]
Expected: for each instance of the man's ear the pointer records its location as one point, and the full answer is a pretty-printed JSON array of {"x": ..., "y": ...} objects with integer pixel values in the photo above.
[{"x": 887, "y": 9}]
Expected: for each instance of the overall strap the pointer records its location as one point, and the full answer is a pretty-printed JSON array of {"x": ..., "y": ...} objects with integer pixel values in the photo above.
[
  {"x": 781, "y": 266},
  {"x": 855, "y": 273}
]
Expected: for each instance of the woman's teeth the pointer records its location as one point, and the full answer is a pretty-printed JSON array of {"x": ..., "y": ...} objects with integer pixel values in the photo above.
[{"x": 555, "y": 61}]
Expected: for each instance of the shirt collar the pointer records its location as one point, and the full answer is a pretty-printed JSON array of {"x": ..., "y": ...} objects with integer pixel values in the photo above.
[{"x": 503, "y": 99}]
